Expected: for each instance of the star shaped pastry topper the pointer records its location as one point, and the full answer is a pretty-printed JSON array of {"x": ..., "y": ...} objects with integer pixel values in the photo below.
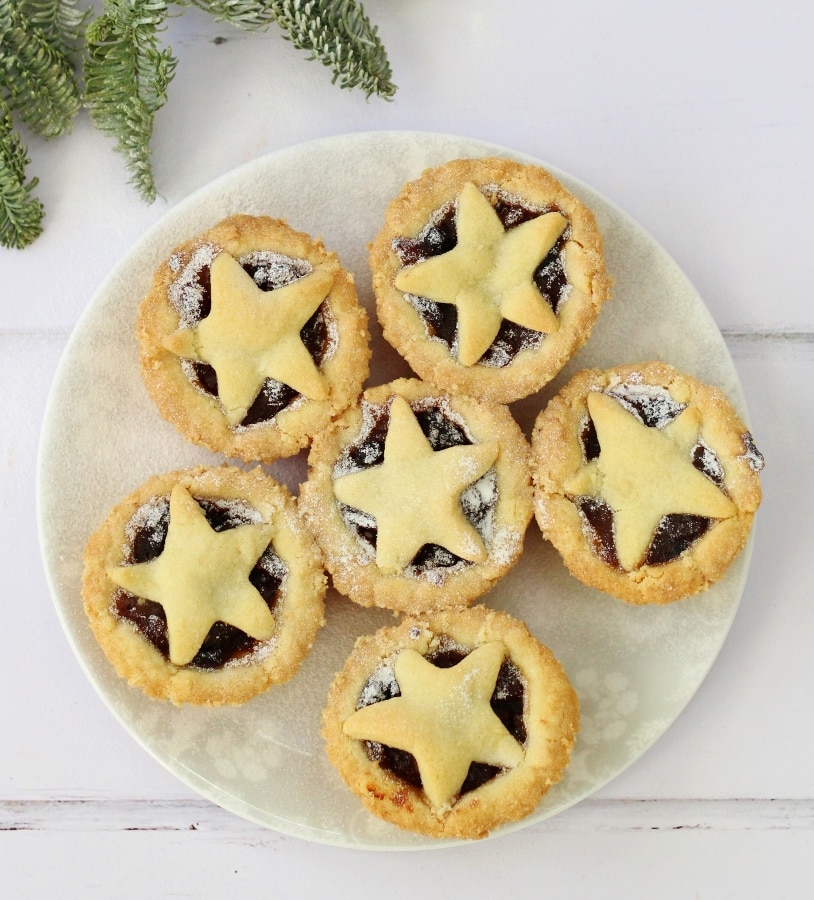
[
  {"x": 201, "y": 577},
  {"x": 644, "y": 474},
  {"x": 488, "y": 274},
  {"x": 251, "y": 335},
  {"x": 443, "y": 717},
  {"x": 415, "y": 493}
]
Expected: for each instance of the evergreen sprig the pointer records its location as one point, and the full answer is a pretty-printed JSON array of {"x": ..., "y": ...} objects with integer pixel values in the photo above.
[
  {"x": 248, "y": 15},
  {"x": 60, "y": 21},
  {"x": 37, "y": 84},
  {"x": 340, "y": 36},
  {"x": 127, "y": 74},
  {"x": 20, "y": 212},
  {"x": 126, "y": 78},
  {"x": 37, "y": 75},
  {"x": 337, "y": 33}
]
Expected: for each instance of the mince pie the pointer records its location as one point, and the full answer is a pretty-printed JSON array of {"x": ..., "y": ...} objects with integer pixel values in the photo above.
[
  {"x": 418, "y": 499},
  {"x": 646, "y": 481},
  {"x": 489, "y": 276},
  {"x": 204, "y": 586},
  {"x": 450, "y": 724},
  {"x": 252, "y": 338}
]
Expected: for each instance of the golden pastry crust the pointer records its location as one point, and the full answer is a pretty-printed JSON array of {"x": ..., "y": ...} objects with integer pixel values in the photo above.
[
  {"x": 550, "y": 717},
  {"x": 298, "y": 611},
  {"x": 582, "y": 255},
  {"x": 353, "y": 564},
  {"x": 559, "y": 464},
  {"x": 199, "y": 415}
]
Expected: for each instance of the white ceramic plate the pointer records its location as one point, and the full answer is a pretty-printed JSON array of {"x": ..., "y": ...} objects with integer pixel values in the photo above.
[{"x": 634, "y": 668}]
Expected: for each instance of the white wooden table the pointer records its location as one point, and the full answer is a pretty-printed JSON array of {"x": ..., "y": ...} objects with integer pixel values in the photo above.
[{"x": 698, "y": 121}]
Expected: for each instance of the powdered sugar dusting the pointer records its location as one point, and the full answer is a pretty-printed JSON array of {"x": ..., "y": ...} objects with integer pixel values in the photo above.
[
  {"x": 368, "y": 453},
  {"x": 438, "y": 237},
  {"x": 478, "y": 500},
  {"x": 147, "y": 517},
  {"x": 502, "y": 353},
  {"x": 262, "y": 650},
  {"x": 273, "y": 270},
  {"x": 152, "y": 518},
  {"x": 359, "y": 454},
  {"x": 543, "y": 514},
  {"x": 269, "y": 270},
  {"x": 443, "y": 643},
  {"x": 274, "y": 391},
  {"x": 505, "y": 545},
  {"x": 381, "y": 685},
  {"x": 652, "y": 405},
  {"x": 430, "y": 234},
  {"x": 273, "y": 565},
  {"x": 239, "y": 512},
  {"x": 502, "y": 687},
  {"x": 437, "y": 574},
  {"x": 444, "y": 406},
  {"x": 331, "y": 331},
  {"x": 356, "y": 517},
  {"x": 186, "y": 293},
  {"x": 518, "y": 204},
  {"x": 191, "y": 373},
  {"x": 151, "y": 522},
  {"x": 706, "y": 460},
  {"x": 752, "y": 455}
]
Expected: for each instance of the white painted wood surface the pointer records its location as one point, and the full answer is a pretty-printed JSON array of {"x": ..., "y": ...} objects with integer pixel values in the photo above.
[{"x": 697, "y": 120}]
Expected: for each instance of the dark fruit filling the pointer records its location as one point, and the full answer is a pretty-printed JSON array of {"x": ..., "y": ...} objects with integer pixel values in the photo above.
[
  {"x": 442, "y": 432},
  {"x": 508, "y": 700},
  {"x": 274, "y": 396},
  {"x": 676, "y": 532},
  {"x": 440, "y": 236},
  {"x": 148, "y": 532},
  {"x": 599, "y": 517}
]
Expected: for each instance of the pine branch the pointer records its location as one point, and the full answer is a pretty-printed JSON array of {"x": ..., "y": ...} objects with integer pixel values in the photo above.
[
  {"x": 127, "y": 74},
  {"x": 248, "y": 15},
  {"x": 36, "y": 76},
  {"x": 60, "y": 21},
  {"x": 126, "y": 80},
  {"x": 335, "y": 32},
  {"x": 20, "y": 213},
  {"x": 340, "y": 36}
]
